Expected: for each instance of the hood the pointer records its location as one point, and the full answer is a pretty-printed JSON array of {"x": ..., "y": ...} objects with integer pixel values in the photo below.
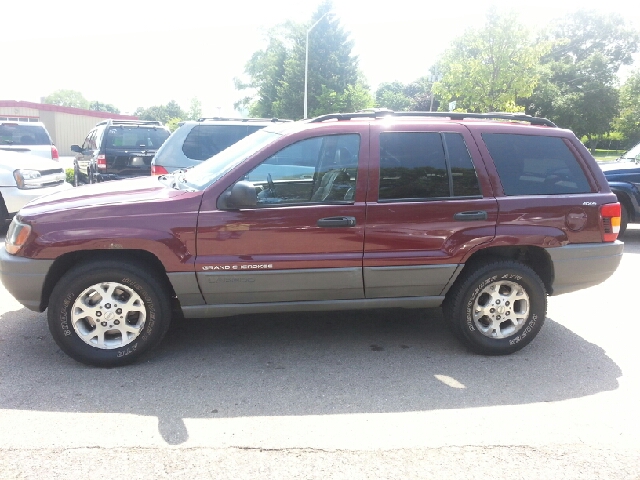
[
  {"x": 106, "y": 199},
  {"x": 618, "y": 167},
  {"x": 13, "y": 160}
]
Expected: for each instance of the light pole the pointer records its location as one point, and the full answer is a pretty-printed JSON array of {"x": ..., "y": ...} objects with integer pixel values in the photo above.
[{"x": 306, "y": 61}]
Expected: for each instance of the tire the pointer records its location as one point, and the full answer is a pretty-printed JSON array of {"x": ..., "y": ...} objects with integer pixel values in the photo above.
[
  {"x": 76, "y": 175},
  {"x": 4, "y": 215},
  {"x": 624, "y": 219},
  {"x": 87, "y": 324},
  {"x": 497, "y": 308}
]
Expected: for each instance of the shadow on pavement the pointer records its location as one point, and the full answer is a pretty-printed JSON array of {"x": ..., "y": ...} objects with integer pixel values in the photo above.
[{"x": 290, "y": 364}]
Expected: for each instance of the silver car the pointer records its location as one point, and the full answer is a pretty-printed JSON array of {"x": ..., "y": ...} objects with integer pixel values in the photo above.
[
  {"x": 27, "y": 137},
  {"x": 24, "y": 177}
]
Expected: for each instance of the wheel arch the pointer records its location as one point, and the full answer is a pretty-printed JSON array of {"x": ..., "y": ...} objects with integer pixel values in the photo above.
[
  {"x": 534, "y": 257},
  {"x": 66, "y": 262}
]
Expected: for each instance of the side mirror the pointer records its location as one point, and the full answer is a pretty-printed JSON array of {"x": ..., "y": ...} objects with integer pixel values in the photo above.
[
  {"x": 76, "y": 148},
  {"x": 242, "y": 195}
]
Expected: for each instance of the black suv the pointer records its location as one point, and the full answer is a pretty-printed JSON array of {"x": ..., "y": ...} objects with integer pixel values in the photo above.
[{"x": 117, "y": 149}]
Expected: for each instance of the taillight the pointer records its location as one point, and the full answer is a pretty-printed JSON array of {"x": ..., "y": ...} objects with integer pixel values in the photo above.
[
  {"x": 158, "y": 170},
  {"x": 54, "y": 153},
  {"x": 101, "y": 161},
  {"x": 610, "y": 215}
]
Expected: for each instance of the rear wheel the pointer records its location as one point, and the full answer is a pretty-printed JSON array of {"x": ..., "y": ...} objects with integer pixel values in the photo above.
[
  {"x": 497, "y": 308},
  {"x": 108, "y": 313}
]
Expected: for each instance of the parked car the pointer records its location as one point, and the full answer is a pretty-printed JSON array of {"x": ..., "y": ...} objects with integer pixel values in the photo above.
[
  {"x": 623, "y": 176},
  {"x": 27, "y": 137},
  {"x": 25, "y": 177},
  {"x": 118, "y": 149},
  {"x": 194, "y": 142},
  {"x": 484, "y": 215}
]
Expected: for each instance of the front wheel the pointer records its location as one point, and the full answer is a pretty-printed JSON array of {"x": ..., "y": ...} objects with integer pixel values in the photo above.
[
  {"x": 108, "y": 313},
  {"x": 624, "y": 219},
  {"x": 497, "y": 308}
]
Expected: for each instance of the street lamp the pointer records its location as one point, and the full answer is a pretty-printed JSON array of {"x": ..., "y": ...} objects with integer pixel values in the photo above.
[{"x": 306, "y": 61}]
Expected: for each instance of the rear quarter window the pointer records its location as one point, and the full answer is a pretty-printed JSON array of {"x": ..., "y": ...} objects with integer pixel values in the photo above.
[
  {"x": 535, "y": 165},
  {"x": 205, "y": 141}
]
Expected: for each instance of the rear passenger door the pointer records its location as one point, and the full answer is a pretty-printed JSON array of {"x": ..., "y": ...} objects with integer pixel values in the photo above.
[{"x": 429, "y": 205}]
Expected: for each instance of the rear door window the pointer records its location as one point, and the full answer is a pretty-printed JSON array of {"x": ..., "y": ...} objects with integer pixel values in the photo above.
[
  {"x": 425, "y": 165},
  {"x": 205, "y": 141},
  {"x": 126, "y": 137},
  {"x": 15, "y": 134},
  {"x": 535, "y": 165}
]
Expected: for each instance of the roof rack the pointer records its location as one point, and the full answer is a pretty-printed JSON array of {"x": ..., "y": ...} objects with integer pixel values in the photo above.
[
  {"x": 130, "y": 122},
  {"x": 380, "y": 113},
  {"x": 241, "y": 119}
]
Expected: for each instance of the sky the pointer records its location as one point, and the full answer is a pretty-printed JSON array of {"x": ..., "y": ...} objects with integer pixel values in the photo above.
[{"x": 139, "y": 53}]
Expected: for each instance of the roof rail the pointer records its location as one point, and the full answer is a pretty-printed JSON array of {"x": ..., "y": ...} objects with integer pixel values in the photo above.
[
  {"x": 380, "y": 113},
  {"x": 130, "y": 122},
  {"x": 242, "y": 119}
]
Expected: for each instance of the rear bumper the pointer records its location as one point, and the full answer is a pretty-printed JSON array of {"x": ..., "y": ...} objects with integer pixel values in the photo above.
[
  {"x": 24, "y": 278},
  {"x": 580, "y": 266}
]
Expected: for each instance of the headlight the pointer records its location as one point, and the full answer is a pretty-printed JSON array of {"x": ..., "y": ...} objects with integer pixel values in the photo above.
[
  {"x": 26, "y": 179},
  {"x": 17, "y": 236}
]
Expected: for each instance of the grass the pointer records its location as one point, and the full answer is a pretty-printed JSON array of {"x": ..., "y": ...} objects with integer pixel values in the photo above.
[{"x": 606, "y": 155}]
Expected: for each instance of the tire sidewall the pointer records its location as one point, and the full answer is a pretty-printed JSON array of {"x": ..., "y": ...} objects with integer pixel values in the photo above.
[
  {"x": 537, "y": 310},
  {"x": 69, "y": 289}
]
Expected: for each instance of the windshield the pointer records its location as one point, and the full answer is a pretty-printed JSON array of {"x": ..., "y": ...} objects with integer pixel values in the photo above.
[
  {"x": 136, "y": 137},
  {"x": 207, "y": 172},
  {"x": 632, "y": 154}
]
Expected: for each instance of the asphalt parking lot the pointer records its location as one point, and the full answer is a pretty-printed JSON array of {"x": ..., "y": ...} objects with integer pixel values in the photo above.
[{"x": 379, "y": 394}]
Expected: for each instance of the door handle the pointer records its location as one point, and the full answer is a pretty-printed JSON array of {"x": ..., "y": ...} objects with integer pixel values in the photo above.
[
  {"x": 332, "y": 222},
  {"x": 469, "y": 216}
]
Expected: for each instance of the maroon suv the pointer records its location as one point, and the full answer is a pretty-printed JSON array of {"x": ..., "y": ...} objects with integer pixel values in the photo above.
[{"x": 485, "y": 215}]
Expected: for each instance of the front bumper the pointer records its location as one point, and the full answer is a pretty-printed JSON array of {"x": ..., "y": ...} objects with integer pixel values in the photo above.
[
  {"x": 24, "y": 278},
  {"x": 15, "y": 199},
  {"x": 579, "y": 266}
]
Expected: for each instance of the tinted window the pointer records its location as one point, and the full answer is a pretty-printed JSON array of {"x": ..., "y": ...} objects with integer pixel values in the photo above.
[
  {"x": 14, "y": 134},
  {"x": 135, "y": 137},
  {"x": 463, "y": 174},
  {"x": 205, "y": 141},
  {"x": 535, "y": 165},
  {"x": 412, "y": 166},
  {"x": 319, "y": 169}
]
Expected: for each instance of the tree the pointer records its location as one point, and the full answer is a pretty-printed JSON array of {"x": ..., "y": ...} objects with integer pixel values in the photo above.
[
  {"x": 487, "y": 70},
  {"x": 67, "y": 98},
  {"x": 103, "y": 107},
  {"x": 162, "y": 113},
  {"x": 276, "y": 74},
  {"x": 628, "y": 123},
  {"x": 578, "y": 88},
  {"x": 195, "y": 109},
  {"x": 415, "y": 96}
]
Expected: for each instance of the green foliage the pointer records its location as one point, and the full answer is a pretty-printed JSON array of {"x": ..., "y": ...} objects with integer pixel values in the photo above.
[
  {"x": 276, "y": 74},
  {"x": 195, "y": 109},
  {"x": 487, "y": 70},
  {"x": 578, "y": 87},
  {"x": 69, "y": 175},
  {"x": 173, "y": 123},
  {"x": 414, "y": 96},
  {"x": 67, "y": 98},
  {"x": 628, "y": 123},
  {"x": 73, "y": 98},
  {"x": 103, "y": 107},
  {"x": 162, "y": 113}
]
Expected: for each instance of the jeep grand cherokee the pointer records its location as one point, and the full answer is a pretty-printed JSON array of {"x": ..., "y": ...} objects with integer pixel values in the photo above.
[{"x": 484, "y": 215}]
